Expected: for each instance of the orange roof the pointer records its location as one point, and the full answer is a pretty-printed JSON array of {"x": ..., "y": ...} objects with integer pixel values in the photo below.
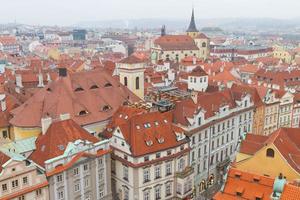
[
  {"x": 176, "y": 42},
  {"x": 132, "y": 59},
  {"x": 54, "y": 142},
  {"x": 198, "y": 71},
  {"x": 290, "y": 192},
  {"x": 3, "y": 159},
  {"x": 89, "y": 91},
  {"x": 245, "y": 185},
  {"x": 252, "y": 143},
  {"x": 147, "y": 132}
]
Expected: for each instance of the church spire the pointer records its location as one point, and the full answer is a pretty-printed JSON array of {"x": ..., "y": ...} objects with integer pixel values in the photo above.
[{"x": 192, "y": 26}]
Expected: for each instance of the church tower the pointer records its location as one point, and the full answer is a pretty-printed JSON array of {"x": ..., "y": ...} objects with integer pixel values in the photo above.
[
  {"x": 131, "y": 73},
  {"x": 192, "y": 30}
]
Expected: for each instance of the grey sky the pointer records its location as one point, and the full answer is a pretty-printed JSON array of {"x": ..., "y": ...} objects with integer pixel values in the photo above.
[{"x": 67, "y": 12}]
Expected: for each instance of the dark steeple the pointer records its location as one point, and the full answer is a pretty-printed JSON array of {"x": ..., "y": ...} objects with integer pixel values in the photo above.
[
  {"x": 192, "y": 26},
  {"x": 163, "y": 30}
]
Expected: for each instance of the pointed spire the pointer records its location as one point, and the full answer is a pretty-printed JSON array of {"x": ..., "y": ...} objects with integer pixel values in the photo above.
[
  {"x": 163, "y": 30},
  {"x": 192, "y": 26}
]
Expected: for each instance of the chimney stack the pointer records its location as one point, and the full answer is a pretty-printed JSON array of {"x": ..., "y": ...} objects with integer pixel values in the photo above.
[
  {"x": 62, "y": 72},
  {"x": 46, "y": 122}
]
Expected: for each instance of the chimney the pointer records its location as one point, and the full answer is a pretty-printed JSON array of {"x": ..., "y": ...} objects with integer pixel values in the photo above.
[
  {"x": 194, "y": 61},
  {"x": 46, "y": 122},
  {"x": 62, "y": 72},
  {"x": 41, "y": 80},
  {"x": 19, "y": 80},
  {"x": 3, "y": 102},
  {"x": 65, "y": 116}
]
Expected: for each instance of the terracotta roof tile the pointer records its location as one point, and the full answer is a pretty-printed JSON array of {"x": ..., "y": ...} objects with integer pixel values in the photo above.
[{"x": 176, "y": 42}]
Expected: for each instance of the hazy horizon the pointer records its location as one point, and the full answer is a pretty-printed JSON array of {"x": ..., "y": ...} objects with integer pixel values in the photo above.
[{"x": 68, "y": 12}]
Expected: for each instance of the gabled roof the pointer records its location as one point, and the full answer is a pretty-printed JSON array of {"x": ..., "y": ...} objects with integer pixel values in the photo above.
[
  {"x": 176, "y": 42},
  {"x": 198, "y": 71},
  {"x": 132, "y": 59},
  {"x": 54, "y": 142},
  {"x": 83, "y": 95},
  {"x": 3, "y": 159},
  {"x": 286, "y": 140},
  {"x": 248, "y": 185},
  {"x": 147, "y": 132}
]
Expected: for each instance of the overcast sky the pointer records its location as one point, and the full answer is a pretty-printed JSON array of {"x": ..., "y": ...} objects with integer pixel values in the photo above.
[{"x": 68, "y": 12}]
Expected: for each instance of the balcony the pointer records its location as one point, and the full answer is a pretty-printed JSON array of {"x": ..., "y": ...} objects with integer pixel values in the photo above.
[{"x": 185, "y": 173}]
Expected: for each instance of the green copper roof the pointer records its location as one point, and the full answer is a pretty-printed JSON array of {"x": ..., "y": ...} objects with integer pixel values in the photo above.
[{"x": 20, "y": 146}]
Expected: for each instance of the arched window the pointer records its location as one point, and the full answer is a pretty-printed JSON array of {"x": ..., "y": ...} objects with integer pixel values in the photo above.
[
  {"x": 94, "y": 87},
  {"x": 78, "y": 89},
  {"x": 270, "y": 153},
  {"x": 137, "y": 83},
  {"x": 108, "y": 85},
  {"x": 203, "y": 44},
  {"x": 83, "y": 112},
  {"x": 125, "y": 81}
]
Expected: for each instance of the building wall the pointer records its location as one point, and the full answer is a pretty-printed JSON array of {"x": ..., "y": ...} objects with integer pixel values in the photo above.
[
  {"x": 258, "y": 120},
  {"x": 271, "y": 118},
  {"x": 261, "y": 164},
  {"x": 21, "y": 132},
  {"x": 131, "y": 75},
  {"x": 18, "y": 170},
  {"x": 198, "y": 83}
]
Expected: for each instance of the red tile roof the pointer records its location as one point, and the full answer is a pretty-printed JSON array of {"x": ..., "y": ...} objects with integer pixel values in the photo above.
[
  {"x": 139, "y": 127},
  {"x": 54, "y": 142},
  {"x": 94, "y": 92},
  {"x": 290, "y": 192},
  {"x": 176, "y": 42},
  {"x": 132, "y": 59},
  {"x": 3, "y": 159},
  {"x": 198, "y": 71},
  {"x": 252, "y": 143},
  {"x": 244, "y": 183}
]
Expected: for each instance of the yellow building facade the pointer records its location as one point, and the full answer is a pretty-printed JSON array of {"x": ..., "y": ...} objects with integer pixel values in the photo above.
[
  {"x": 283, "y": 53},
  {"x": 264, "y": 164}
]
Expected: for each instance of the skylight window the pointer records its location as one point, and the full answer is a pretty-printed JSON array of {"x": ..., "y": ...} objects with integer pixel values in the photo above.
[
  {"x": 138, "y": 127},
  {"x": 83, "y": 112},
  {"x": 94, "y": 87},
  {"x": 78, "y": 89},
  {"x": 126, "y": 117},
  {"x": 156, "y": 123},
  {"x": 166, "y": 121}
]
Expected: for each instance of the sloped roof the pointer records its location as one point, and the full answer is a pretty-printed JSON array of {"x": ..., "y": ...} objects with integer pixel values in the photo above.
[
  {"x": 286, "y": 140},
  {"x": 198, "y": 71},
  {"x": 243, "y": 182},
  {"x": 139, "y": 127},
  {"x": 132, "y": 59},
  {"x": 54, "y": 142},
  {"x": 3, "y": 159},
  {"x": 89, "y": 91},
  {"x": 176, "y": 42},
  {"x": 290, "y": 192}
]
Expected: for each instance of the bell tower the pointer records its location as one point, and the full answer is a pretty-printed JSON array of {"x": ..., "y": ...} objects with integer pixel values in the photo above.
[{"x": 192, "y": 31}]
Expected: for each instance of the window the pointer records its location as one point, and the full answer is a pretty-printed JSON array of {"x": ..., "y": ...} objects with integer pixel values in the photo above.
[
  {"x": 168, "y": 168},
  {"x": 157, "y": 172},
  {"x": 4, "y": 133},
  {"x": 14, "y": 183},
  {"x": 25, "y": 180},
  {"x": 146, "y": 175},
  {"x": 203, "y": 44},
  {"x": 146, "y": 158},
  {"x": 157, "y": 192},
  {"x": 147, "y": 195},
  {"x": 181, "y": 164},
  {"x": 199, "y": 121},
  {"x": 86, "y": 182},
  {"x": 125, "y": 172},
  {"x": 83, "y": 112},
  {"x": 22, "y": 197},
  {"x": 158, "y": 155},
  {"x": 126, "y": 193},
  {"x": 94, "y": 87},
  {"x": 169, "y": 152},
  {"x": 270, "y": 153},
  {"x": 4, "y": 187},
  {"x": 76, "y": 187},
  {"x": 168, "y": 189},
  {"x": 137, "y": 83},
  {"x": 38, "y": 192},
  {"x": 125, "y": 81},
  {"x": 75, "y": 171},
  {"x": 60, "y": 195},
  {"x": 85, "y": 167}
]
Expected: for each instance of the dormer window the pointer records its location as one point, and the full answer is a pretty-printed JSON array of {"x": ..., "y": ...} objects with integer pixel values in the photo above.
[
  {"x": 106, "y": 108},
  {"x": 126, "y": 117},
  {"x": 166, "y": 121},
  {"x": 94, "y": 87},
  {"x": 149, "y": 142},
  {"x": 160, "y": 140},
  {"x": 83, "y": 112},
  {"x": 108, "y": 85},
  {"x": 78, "y": 89},
  {"x": 147, "y": 125}
]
